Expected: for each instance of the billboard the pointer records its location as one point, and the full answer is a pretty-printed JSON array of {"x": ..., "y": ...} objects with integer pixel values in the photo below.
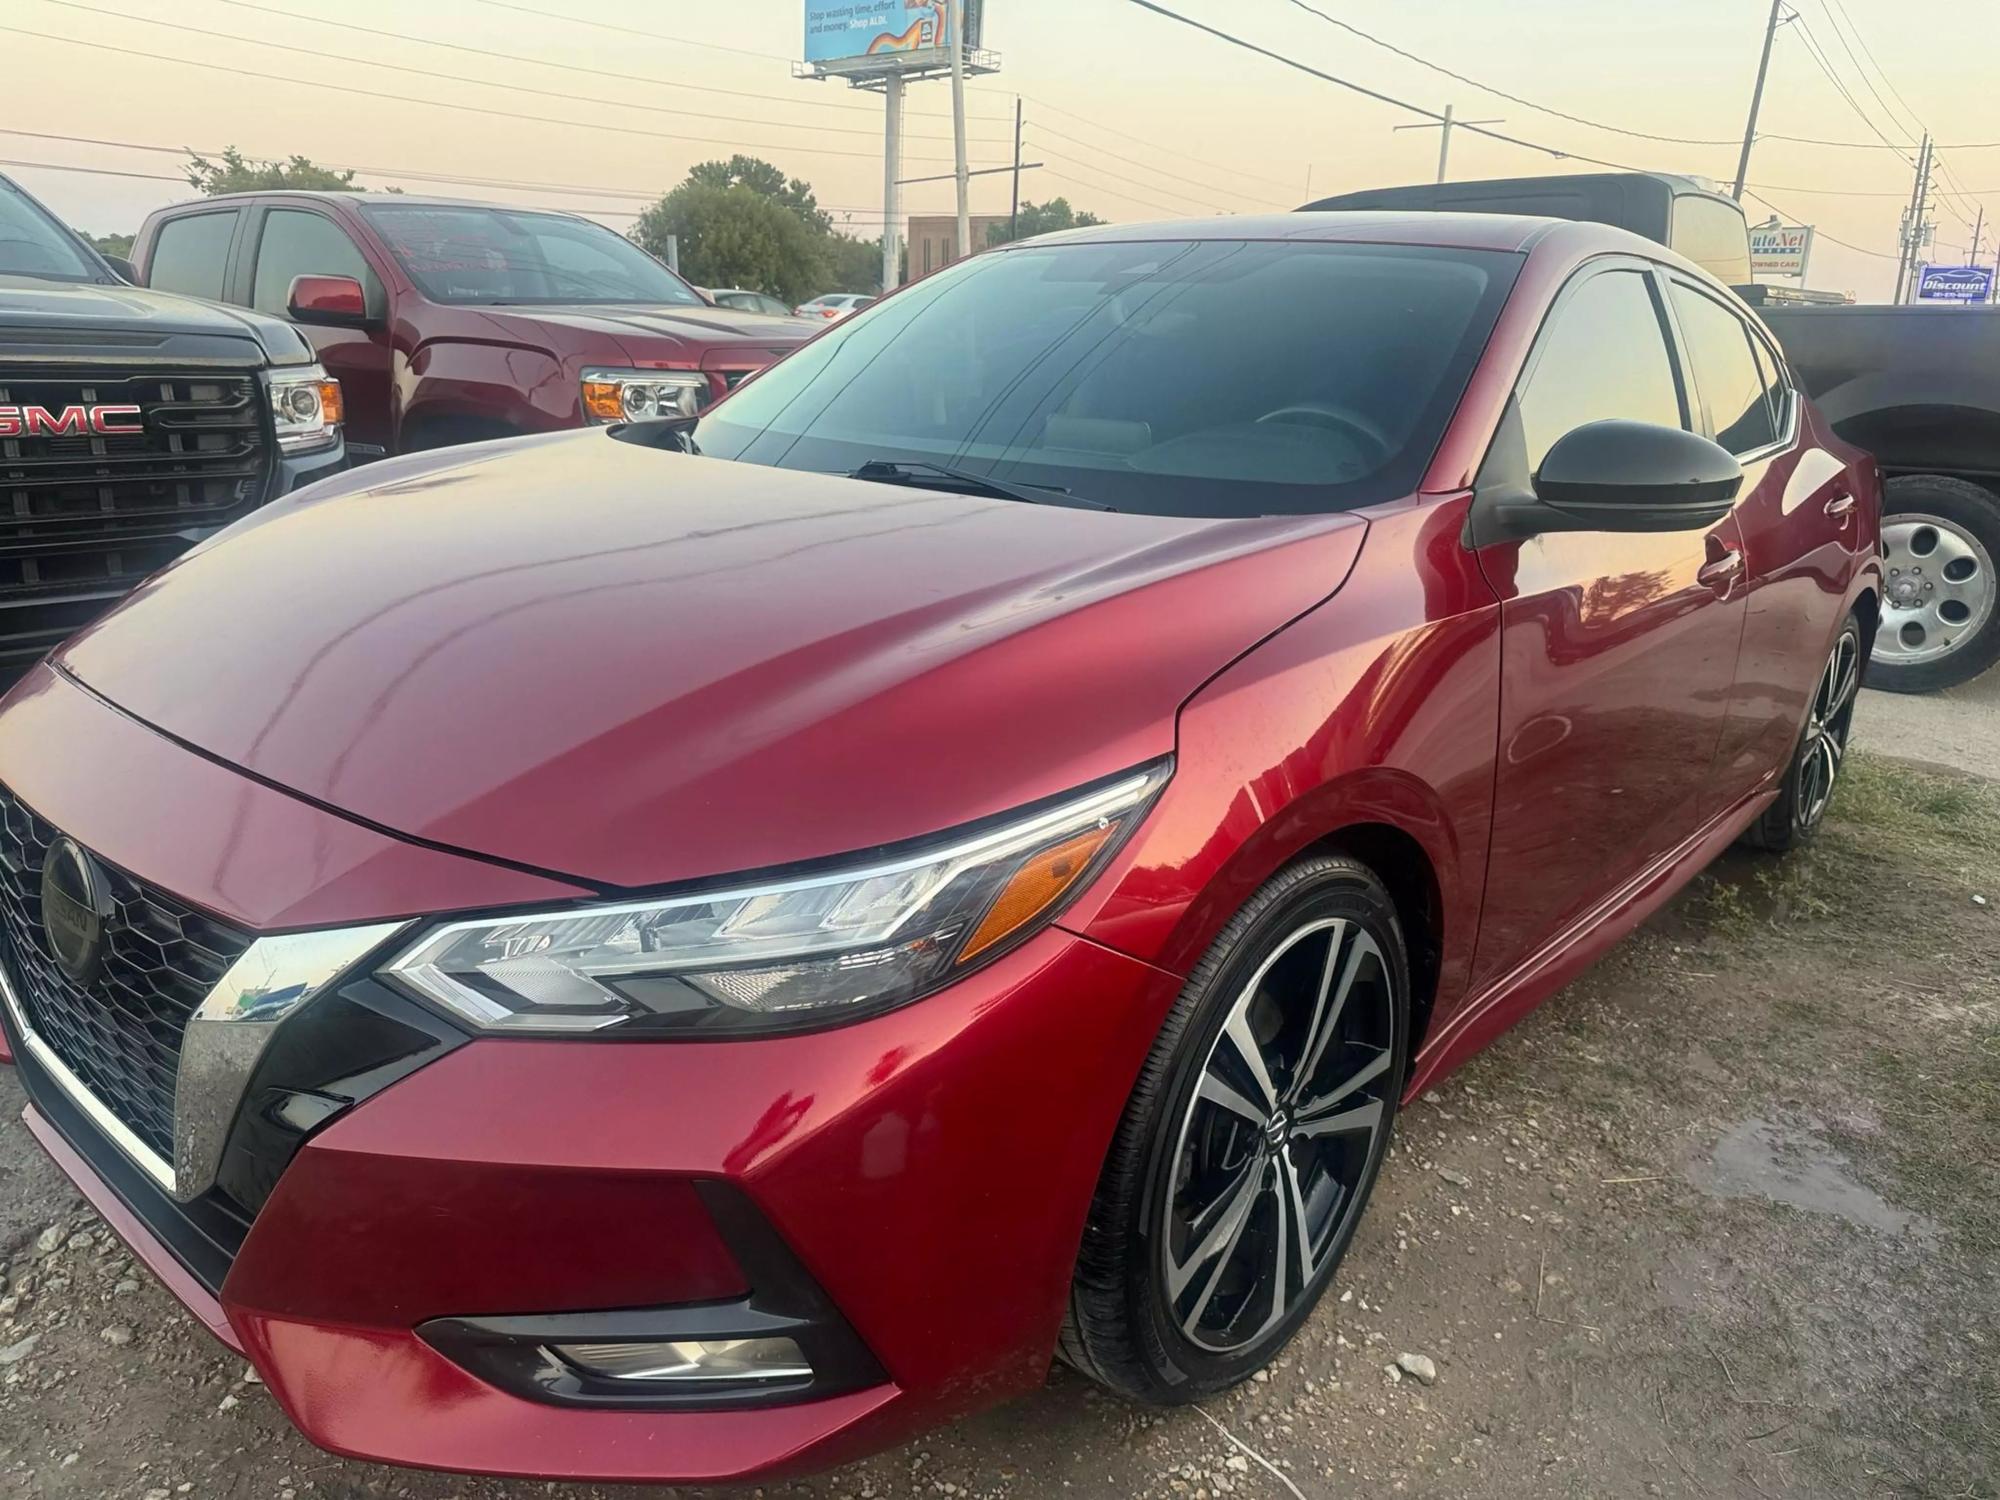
[
  {"x": 894, "y": 31},
  {"x": 1780, "y": 249},
  {"x": 1955, "y": 283}
]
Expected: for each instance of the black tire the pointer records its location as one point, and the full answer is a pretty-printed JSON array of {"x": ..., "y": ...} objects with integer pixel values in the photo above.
[
  {"x": 1126, "y": 1327},
  {"x": 1814, "y": 772},
  {"x": 1976, "y": 512}
]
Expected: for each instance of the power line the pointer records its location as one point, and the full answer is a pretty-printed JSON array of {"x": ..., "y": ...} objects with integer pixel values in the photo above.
[
  {"x": 1813, "y": 50},
  {"x": 516, "y": 88},
  {"x": 1041, "y": 144},
  {"x": 1868, "y": 53},
  {"x": 1178, "y": 154},
  {"x": 1178, "y": 210},
  {"x": 1840, "y": 36},
  {"x": 1424, "y": 62},
  {"x": 1779, "y": 208},
  {"x": 577, "y": 20},
  {"x": 476, "y": 109}
]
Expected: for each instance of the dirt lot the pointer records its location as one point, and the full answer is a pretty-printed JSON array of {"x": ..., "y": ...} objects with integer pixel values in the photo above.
[{"x": 1721, "y": 1219}]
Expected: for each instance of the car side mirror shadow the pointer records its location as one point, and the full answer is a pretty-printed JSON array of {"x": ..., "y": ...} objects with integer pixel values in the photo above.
[
  {"x": 328, "y": 301},
  {"x": 1614, "y": 476}
]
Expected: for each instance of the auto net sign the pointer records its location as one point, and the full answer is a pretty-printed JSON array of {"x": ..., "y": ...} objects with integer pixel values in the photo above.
[
  {"x": 1780, "y": 249},
  {"x": 845, "y": 30},
  {"x": 1955, "y": 283}
]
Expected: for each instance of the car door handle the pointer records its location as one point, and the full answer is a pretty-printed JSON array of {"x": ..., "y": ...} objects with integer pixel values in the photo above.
[
  {"x": 1721, "y": 573},
  {"x": 1840, "y": 507}
]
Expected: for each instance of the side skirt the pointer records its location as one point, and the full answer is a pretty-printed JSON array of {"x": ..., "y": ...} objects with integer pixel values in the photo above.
[{"x": 1578, "y": 946}]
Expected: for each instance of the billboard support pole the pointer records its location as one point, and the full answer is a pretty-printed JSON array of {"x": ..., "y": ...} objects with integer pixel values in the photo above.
[
  {"x": 958, "y": 127},
  {"x": 892, "y": 171},
  {"x": 1805, "y": 256}
]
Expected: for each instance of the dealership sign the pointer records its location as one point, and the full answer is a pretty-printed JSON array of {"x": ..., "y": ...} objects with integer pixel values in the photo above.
[
  {"x": 1780, "y": 250},
  {"x": 1955, "y": 283},
  {"x": 891, "y": 33}
]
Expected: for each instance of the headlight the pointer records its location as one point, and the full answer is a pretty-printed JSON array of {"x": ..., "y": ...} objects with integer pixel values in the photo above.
[
  {"x": 305, "y": 408},
  {"x": 785, "y": 955},
  {"x": 636, "y": 395}
]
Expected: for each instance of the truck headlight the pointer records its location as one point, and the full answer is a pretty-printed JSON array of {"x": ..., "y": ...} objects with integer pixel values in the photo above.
[
  {"x": 785, "y": 955},
  {"x": 305, "y": 408},
  {"x": 640, "y": 395}
]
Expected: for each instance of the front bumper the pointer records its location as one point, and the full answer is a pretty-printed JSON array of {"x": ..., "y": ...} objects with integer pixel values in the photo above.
[{"x": 930, "y": 1169}]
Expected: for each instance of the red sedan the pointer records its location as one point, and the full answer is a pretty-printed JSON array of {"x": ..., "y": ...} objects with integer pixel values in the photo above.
[{"x": 699, "y": 949}]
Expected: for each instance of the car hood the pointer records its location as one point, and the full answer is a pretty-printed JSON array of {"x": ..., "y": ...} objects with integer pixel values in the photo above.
[
  {"x": 43, "y": 313},
  {"x": 634, "y": 667},
  {"x": 655, "y": 330}
]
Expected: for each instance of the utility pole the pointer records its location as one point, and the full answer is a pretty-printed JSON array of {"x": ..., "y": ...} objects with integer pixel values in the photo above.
[
  {"x": 1756, "y": 99},
  {"x": 1978, "y": 233},
  {"x": 958, "y": 128},
  {"x": 1442, "y": 125},
  {"x": 892, "y": 174},
  {"x": 1913, "y": 224},
  {"x": 1014, "y": 213}
]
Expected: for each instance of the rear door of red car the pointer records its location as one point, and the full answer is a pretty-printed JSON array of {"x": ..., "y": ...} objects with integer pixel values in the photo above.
[{"x": 1618, "y": 650}]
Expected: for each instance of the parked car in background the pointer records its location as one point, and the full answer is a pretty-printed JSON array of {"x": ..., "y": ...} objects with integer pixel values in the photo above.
[
  {"x": 132, "y": 425},
  {"x": 450, "y": 322},
  {"x": 834, "y": 305},
  {"x": 748, "y": 301},
  {"x": 1917, "y": 386},
  {"x": 703, "y": 948}
]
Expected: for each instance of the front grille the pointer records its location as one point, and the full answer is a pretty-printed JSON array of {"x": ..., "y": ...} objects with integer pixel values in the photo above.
[
  {"x": 84, "y": 518},
  {"x": 121, "y": 1033}
]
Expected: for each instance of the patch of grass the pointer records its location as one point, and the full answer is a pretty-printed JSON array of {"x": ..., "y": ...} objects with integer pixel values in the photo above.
[{"x": 1878, "y": 795}]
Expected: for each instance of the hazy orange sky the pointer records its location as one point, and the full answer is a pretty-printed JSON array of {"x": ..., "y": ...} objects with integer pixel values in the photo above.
[{"x": 1136, "y": 117}]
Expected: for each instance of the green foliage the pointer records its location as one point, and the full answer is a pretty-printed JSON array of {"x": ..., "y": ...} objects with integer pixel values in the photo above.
[
  {"x": 112, "y": 244},
  {"x": 236, "y": 174},
  {"x": 760, "y": 177},
  {"x": 852, "y": 265},
  {"x": 735, "y": 236},
  {"x": 1041, "y": 218}
]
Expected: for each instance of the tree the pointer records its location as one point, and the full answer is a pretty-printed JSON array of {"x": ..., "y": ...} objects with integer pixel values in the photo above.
[
  {"x": 853, "y": 265},
  {"x": 235, "y": 174},
  {"x": 735, "y": 236},
  {"x": 760, "y": 177},
  {"x": 119, "y": 245},
  {"x": 1041, "y": 218}
]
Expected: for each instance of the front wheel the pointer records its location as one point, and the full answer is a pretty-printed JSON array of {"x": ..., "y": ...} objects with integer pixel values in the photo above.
[
  {"x": 1251, "y": 1141},
  {"x": 1941, "y": 594}
]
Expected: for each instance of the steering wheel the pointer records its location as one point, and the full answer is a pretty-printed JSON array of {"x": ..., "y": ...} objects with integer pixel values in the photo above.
[{"x": 1335, "y": 418}]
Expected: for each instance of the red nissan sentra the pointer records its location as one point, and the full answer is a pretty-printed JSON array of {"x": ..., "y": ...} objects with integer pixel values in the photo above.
[{"x": 698, "y": 949}]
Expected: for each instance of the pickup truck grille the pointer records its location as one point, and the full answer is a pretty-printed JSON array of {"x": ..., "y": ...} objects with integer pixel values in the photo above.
[
  {"x": 121, "y": 1033},
  {"x": 83, "y": 518}
]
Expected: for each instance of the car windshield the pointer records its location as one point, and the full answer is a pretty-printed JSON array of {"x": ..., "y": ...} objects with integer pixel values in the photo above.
[
  {"x": 488, "y": 255},
  {"x": 1201, "y": 378},
  {"x": 33, "y": 244}
]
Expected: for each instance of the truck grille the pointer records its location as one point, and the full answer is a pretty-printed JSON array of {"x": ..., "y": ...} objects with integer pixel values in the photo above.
[
  {"x": 83, "y": 518},
  {"x": 121, "y": 1033}
]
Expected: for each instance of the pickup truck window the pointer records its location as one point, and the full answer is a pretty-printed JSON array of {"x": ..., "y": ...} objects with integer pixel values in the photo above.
[
  {"x": 1603, "y": 355},
  {"x": 1725, "y": 370},
  {"x": 490, "y": 256},
  {"x": 191, "y": 253},
  {"x": 298, "y": 243},
  {"x": 32, "y": 244},
  {"x": 1200, "y": 378}
]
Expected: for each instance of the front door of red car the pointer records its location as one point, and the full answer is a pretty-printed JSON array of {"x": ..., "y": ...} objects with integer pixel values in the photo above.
[
  {"x": 1798, "y": 515},
  {"x": 1618, "y": 650},
  {"x": 295, "y": 242}
]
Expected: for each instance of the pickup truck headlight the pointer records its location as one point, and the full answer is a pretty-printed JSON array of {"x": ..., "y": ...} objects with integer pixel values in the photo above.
[
  {"x": 305, "y": 408},
  {"x": 782, "y": 956},
  {"x": 639, "y": 395}
]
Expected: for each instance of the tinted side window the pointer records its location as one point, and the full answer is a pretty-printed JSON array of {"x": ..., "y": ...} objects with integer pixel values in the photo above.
[
  {"x": 1711, "y": 234},
  {"x": 1604, "y": 356},
  {"x": 1724, "y": 371},
  {"x": 1777, "y": 387},
  {"x": 297, "y": 243},
  {"x": 191, "y": 254}
]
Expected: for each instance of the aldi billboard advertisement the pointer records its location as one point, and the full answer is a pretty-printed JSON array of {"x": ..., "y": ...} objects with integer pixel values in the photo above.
[
  {"x": 1955, "y": 284},
  {"x": 893, "y": 31}
]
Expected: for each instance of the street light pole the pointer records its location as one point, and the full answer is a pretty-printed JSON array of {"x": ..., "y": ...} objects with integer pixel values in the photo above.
[
  {"x": 958, "y": 128},
  {"x": 1756, "y": 100},
  {"x": 1443, "y": 125},
  {"x": 1014, "y": 213},
  {"x": 892, "y": 176}
]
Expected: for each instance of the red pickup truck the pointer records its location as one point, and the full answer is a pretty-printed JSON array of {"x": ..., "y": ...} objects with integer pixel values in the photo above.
[{"x": 449, "y": 322}]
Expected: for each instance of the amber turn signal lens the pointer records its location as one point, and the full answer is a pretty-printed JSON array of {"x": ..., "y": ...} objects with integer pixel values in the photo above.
[
  {"x": 605, "y": 400},
  {"x": 1037, "y": 885},
  {"x": 329, "y": 402}
]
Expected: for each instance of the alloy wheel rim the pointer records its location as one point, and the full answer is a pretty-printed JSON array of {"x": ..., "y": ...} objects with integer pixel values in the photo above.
[
  {"x": 1279, "y": 1136},
  {"x": 1939, "y": 589},
  {"x": 1826, "y": 728}
]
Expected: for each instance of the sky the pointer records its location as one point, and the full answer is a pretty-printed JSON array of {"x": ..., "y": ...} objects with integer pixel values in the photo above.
[{"x": 1135, "y": 116}]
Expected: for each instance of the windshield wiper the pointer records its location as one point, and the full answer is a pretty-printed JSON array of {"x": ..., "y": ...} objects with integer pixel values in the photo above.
[{"x": 917, "y": 471}]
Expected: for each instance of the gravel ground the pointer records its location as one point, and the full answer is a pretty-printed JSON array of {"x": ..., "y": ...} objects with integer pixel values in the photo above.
[
  {"x": 1958, "y": 727},
  {"x": 1723, "y": 1218}
]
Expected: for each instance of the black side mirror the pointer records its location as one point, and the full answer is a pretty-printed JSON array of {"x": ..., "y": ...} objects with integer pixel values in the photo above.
[
  {"x": 123, "y": 267},
  {"x": 1614, "y": 475}
]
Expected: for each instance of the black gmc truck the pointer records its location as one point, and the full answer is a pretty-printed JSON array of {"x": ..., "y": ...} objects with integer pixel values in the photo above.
[{"x": 132, "y": 425}]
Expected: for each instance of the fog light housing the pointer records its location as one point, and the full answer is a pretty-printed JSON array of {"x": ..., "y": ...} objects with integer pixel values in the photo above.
[{"x": 689, "y": 1361}]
